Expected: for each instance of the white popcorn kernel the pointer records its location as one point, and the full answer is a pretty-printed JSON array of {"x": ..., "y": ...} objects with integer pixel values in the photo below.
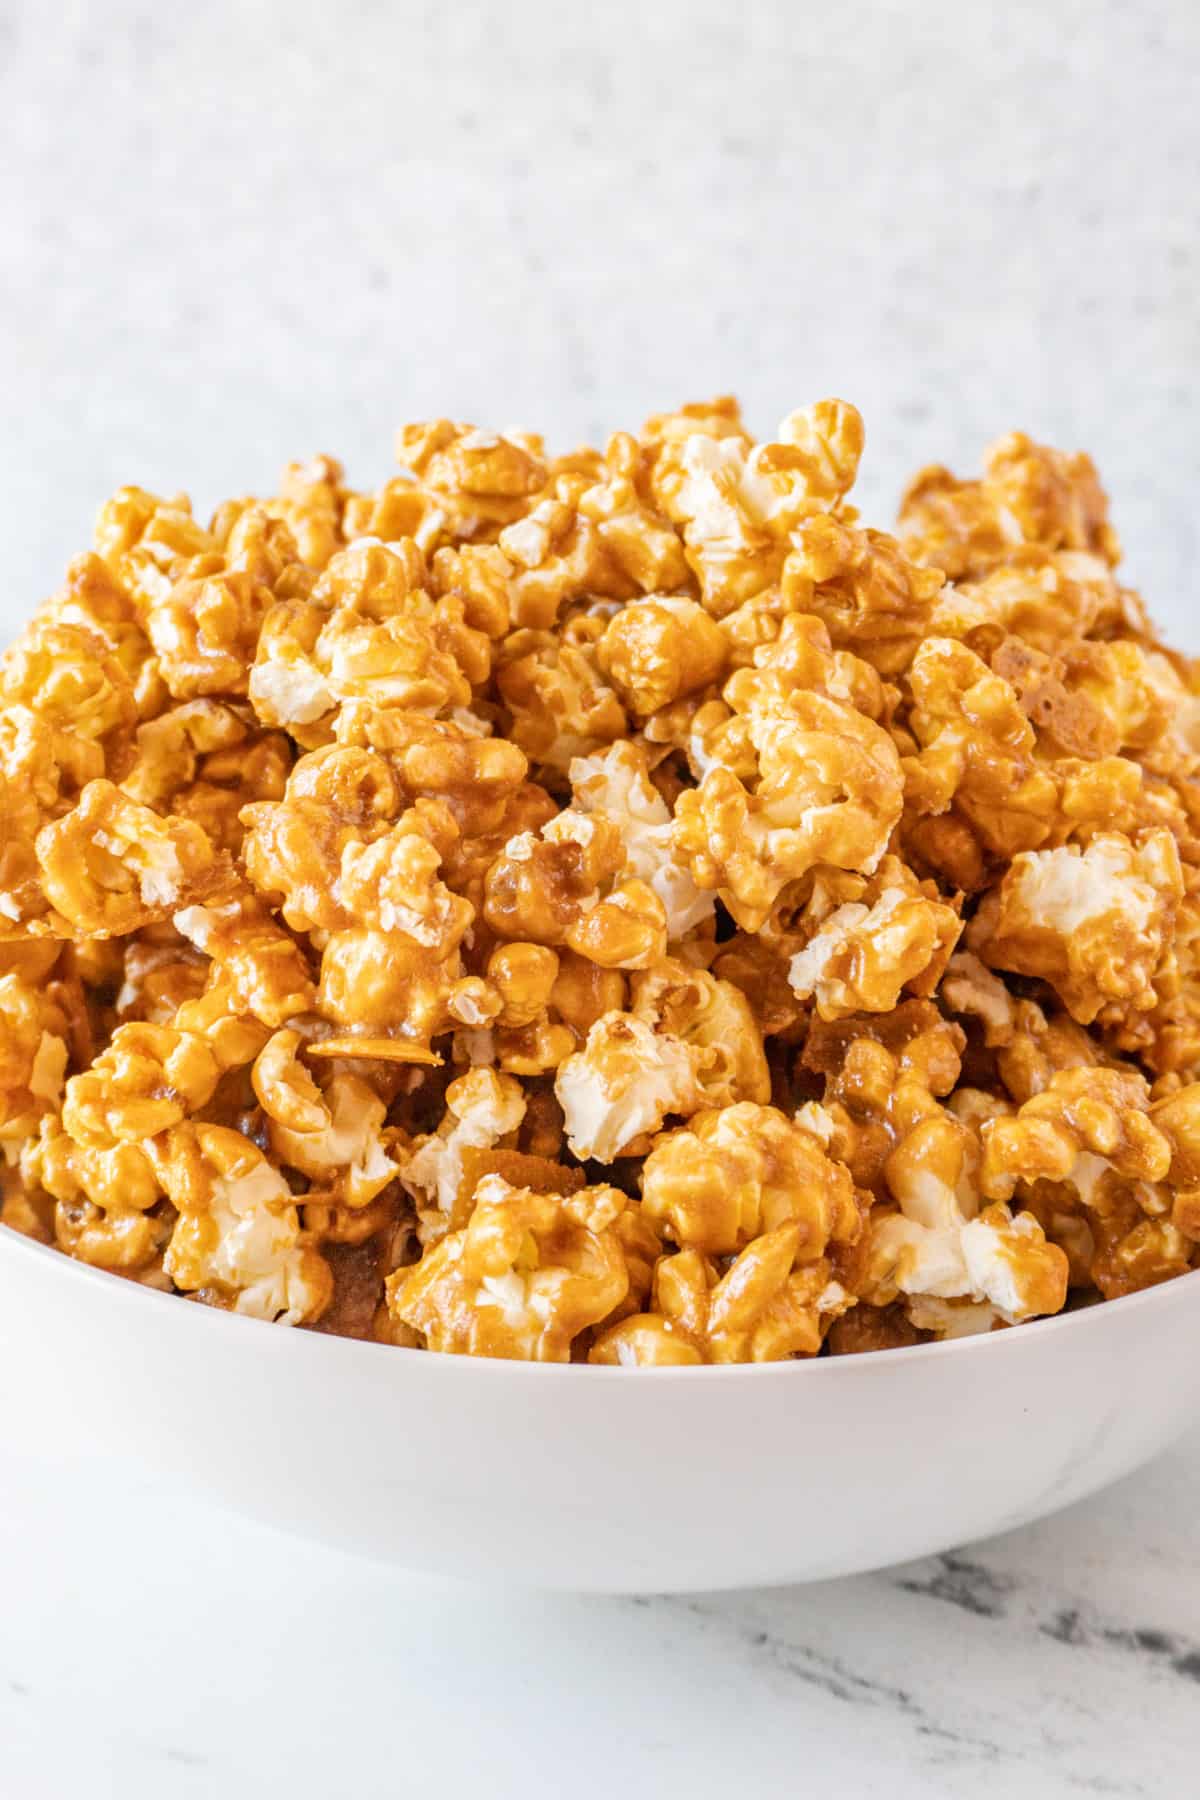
[{"x": 622, "y": 1084}]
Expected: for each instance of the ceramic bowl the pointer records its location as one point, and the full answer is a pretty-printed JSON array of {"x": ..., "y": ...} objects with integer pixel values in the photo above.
[{"x": 608, "y": 1480}]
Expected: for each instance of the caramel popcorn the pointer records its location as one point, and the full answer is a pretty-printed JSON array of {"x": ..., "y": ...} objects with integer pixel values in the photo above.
[
  {"x": 1029, "y": 496},
  {"x": 106, "y": 1199},
  {"x": 482, "y": 1110},
  {"x": 613, "y": 907},
  {"x": 238, "y": 1238},
  {"x": 527, "y": 1275},
  {"x": 657, "y": 649},
  {"x": 1093, "y": 922},
  {"x": 865, "y": 952},
  {"x": 824, "y": 788},
  {"x": 622, "y": 1085},
  {"x": 110, "y": 866},
  {"x": 33, "y": 1058},
  {"x": 939, "y": 1245},
  {"x": 732, "y": 1174},
  {"x": 764, "y": 1308},
  {"x": 329, "y": 1127},
  {"x": 616, "y": 785}
]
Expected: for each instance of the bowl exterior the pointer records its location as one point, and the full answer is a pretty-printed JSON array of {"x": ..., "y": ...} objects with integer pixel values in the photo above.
[{"x": 589, "y": 1479}]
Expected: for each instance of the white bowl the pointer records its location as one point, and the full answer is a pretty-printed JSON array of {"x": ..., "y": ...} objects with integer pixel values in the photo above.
[{"x": 609, "y": 1480}]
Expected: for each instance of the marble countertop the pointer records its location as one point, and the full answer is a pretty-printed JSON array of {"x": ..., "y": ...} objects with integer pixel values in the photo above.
[{"x": 172, "y": 1653}]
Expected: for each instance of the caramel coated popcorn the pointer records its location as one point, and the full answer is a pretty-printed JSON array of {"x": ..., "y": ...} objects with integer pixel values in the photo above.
[{"x": 612, "y": 907}]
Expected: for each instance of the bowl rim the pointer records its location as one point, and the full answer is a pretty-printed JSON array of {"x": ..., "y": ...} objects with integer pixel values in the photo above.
[{"x": 330, "y": 1344}]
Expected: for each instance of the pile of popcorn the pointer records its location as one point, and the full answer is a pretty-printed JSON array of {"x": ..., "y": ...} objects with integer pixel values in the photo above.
[{"x": 607, "y": 908}]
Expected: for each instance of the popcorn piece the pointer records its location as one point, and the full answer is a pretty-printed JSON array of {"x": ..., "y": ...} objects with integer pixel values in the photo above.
[
  {"x": 25, "y": 1210},
  {"x": 524, "y": 977},
  {"x": 238, "y": 1239},
  {"x": 826, "y": 789},
  {"x": 335, "y": 797},
  {"x": 1029, "y": 495},
  {"x": 396, "y": 662},
  {"x": 780, "y": 652},
  {"x": 940, "y": 1245},
  {"x": 387, "y": 993},
  {"x": 42, "y": 771},
  {"x": 741, "y": 1170},
  {"x": 149, "y": 1078},
  {"x": 481, "y": 472},
  {"x": 547, "y": 1007},
  {"x": 1092, "y": 922},
  {"x": 103, "y": 1194},
  {"x": 391, "y": 928},
  {"x": 1087, "y": 1122},
  {"x": 558, "y": 554},
  {"x": 765, "y": 1308},
  {"x": 482, "y": 1109},
  {"x": 636, "y": 539},
  {"x": 1178, "y": 1118},
  {"x": 90, "y": 600},
  {"x": 205, "y": 632},
  {"x": 1134, "y": 1252},
  {"x": 950, "y": 1319},
  {"x": 977, "y": 751},
  {"x": 622, "y": 1085},
  {"x": 625, "y": 930},
  {"x": 369, "y": 632},
  {"x": 169, "y": 749},
  {"x": 310, "y": 502},
  {"x": 263, "y": 971},
  {"x": 861, "y": 957},
  {"x": 617, "y": 785},
  {"x": 644, "y": 1341},
  {"x": 458, "y": 482},
  {"x": 479, "y": 779},
  {"x": 560, "y": 704},
  {"x": 713, "y": 1019},
  {"x": 859, "y": 583},
  {"x": 147, "y": 541},
  {"x": 330, "y": 1130},
  {"x": 883, "y": 1074},
  {"x": 563, "y": 888},
  {"x": 33, "y": 1059},
  {"x": 110, "y": 866},
  {"x": 479, "y": 576},
  {"x": 66, "y": 677},
  {"x": 529, "y": 1273},
  {"x": 391, "y": 884},
  {"x": 738, "y": 506},
  {"x": 1009, "y": 1261},
  {"x": 657, "y": 649}
]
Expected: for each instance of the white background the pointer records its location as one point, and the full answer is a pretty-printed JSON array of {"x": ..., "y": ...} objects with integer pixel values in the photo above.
[
  {"x": 231, "y": 235},
  {"x": 236, "y": 234}
]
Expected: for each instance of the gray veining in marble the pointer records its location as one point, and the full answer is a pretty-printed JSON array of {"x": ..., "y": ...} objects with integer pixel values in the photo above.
[{"x": 196, "y": 1655}]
